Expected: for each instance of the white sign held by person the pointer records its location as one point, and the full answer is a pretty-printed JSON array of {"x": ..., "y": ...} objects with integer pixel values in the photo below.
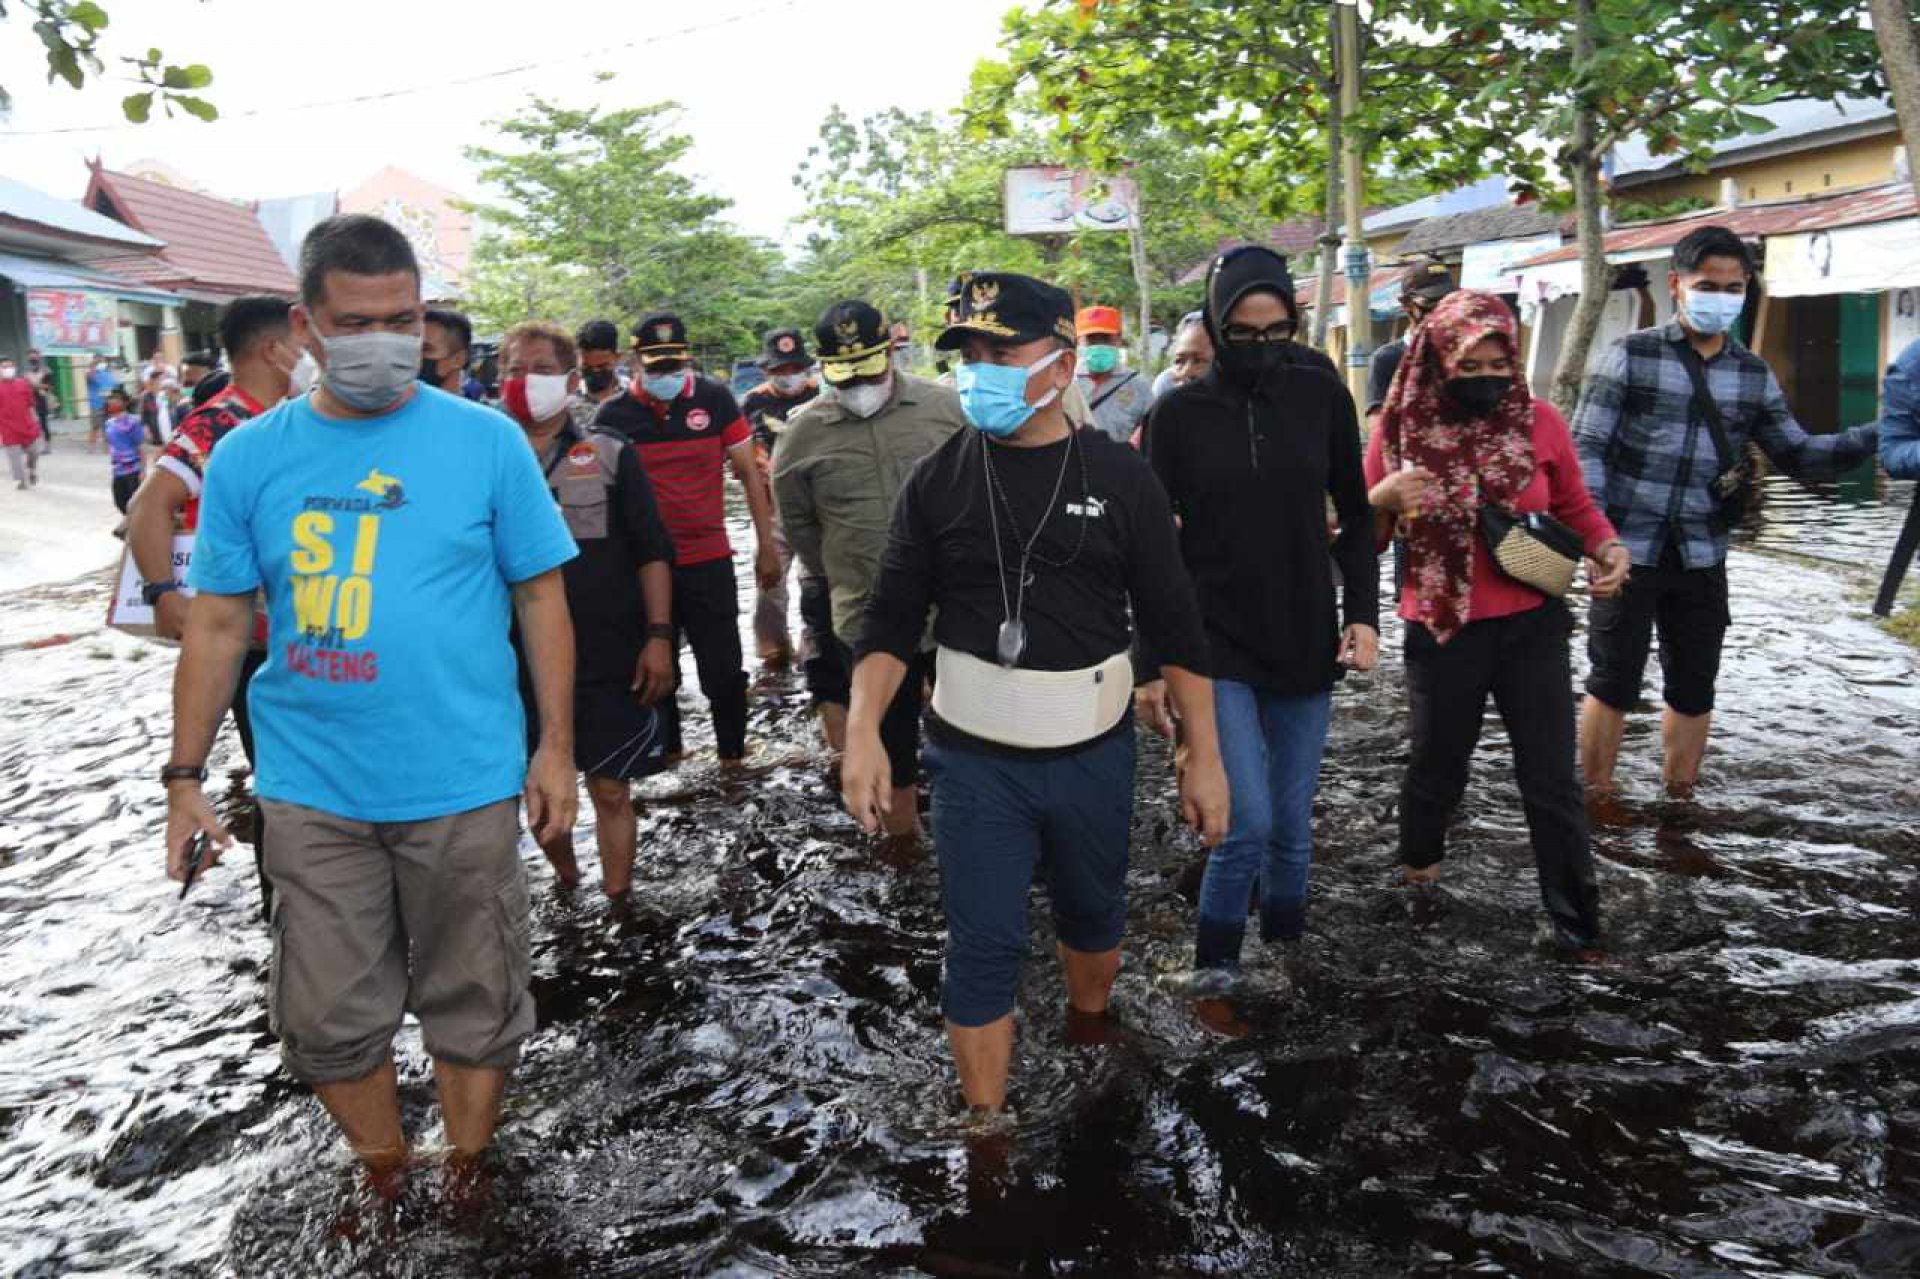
[
  {"x": 1054, "y": 201},
  {"x": 130, "y": 611}
]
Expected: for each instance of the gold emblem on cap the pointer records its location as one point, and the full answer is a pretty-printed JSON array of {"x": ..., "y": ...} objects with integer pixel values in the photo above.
[
  {"x": 663, "y": 333},
  {"x": 984, "y": 293}
]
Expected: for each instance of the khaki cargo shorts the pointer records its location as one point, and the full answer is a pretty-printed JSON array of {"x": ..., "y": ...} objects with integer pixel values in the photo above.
[{"x": 373, "y": 920}]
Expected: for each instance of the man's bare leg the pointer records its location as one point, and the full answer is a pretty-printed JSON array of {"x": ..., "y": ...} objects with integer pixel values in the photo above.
[
  {"x": 1090, "y": 976},
  {"x": 982, "y": 1055},
  {"x": 1685, "y": 740},
  {"x": 367, "y": 1112},
  {"x": 1602, "y": 728},
  {"x": 469, "y": 1104},
  {"x": 618, "y": 830},
  {"x": 905, "y": 817},
  {"x": 833, "y": 723}
]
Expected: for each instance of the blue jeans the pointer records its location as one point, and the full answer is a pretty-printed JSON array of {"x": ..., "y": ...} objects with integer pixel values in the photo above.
[{"x": 1272, "y": 747}]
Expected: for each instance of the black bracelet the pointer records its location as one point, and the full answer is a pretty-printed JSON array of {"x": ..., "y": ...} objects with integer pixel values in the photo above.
[
  {"x": 182, "y": 773},
  {"x": 153, "y": 591},
  {"x": 659, "y": 630}
]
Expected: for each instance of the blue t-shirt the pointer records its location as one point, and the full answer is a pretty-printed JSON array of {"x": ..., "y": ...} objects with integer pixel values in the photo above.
[
  {"x": 387, "y": 548},
  {"x": 99, "y": 382}
]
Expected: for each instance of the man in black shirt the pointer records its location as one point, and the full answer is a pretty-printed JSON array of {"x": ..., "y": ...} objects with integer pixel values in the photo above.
[
  {"x": 600, "y": 381},
  {"x": 1429, "y": 281},
  {"x": 619, "y": 593},
  {"x": 1034, "y": 543},
  {"x": 785, "y": 361}
]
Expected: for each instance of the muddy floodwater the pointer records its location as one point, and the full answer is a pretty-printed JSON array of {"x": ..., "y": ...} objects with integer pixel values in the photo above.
[{"x": 746, "y": 1075}]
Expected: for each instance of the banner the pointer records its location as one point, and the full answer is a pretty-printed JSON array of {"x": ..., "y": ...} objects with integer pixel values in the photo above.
[
  {"x": 1845, "y": 259},
  {"x": 69, "y": 321},
  {"x": 1493, "y": 266},
  {"x": 1051, "y": 201},
  {"x": 130, "y": 611}
]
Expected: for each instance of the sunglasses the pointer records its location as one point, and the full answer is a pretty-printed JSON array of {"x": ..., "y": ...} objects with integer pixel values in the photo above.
[{"x": 1246, "y": 335}]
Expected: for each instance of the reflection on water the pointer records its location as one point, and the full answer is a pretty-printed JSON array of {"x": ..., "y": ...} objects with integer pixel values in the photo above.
[
  {"x": 1852, "y": 521},
  {"x": 748, "y": 1076}
]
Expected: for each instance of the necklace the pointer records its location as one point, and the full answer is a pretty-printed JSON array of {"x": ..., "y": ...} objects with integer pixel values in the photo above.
[{"x": 1011, "y": 643}]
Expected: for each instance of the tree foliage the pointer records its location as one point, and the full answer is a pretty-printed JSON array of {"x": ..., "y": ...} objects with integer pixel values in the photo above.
[
  {"x": 72, "y": 31},
  {"x": 597, "y": 198}
]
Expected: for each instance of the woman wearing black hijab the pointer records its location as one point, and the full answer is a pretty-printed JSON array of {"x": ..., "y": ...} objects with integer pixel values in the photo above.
[{"x": 1250, "y": 454}]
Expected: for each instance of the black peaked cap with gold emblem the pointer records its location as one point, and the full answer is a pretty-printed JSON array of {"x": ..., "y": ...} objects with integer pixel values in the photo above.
[
  {"x": 661, "y": 336},
  {"x": 783, "y": 347},
  {"x": 1005, "y": 307},
  {"x": 853, "y": 341}
]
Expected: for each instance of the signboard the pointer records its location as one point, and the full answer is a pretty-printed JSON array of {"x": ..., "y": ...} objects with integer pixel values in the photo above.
[
  {"x": 1493, "y": 266},
  {"x": 72, "y": 321},
  {"x": 1902, "y": 320},
  {"x": 1845, "y": 259},
  {"x": 131, "y": 613},
  {"x": 1051, "y": 201}
]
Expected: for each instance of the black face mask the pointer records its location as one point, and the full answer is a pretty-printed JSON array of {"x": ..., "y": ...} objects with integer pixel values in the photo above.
[
  {"x": 1478, "y": 395},
  {"x": 596, "y": 380},
  {"x": 429, "y": 370},
  {"x": 1249, "y": 362}
]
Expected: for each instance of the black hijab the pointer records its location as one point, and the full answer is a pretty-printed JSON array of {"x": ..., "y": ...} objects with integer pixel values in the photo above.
[{"x": 1251, "y": 268}]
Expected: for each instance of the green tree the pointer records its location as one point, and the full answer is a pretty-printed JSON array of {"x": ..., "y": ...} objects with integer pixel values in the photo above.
[
  {"x": 72, "y": 31},
  {"x": 508, "y": 281},
  {"x": 1248, "y": 86},
  {"x": 601, "y": 194},
  {"x": 1561, "y": 82}
]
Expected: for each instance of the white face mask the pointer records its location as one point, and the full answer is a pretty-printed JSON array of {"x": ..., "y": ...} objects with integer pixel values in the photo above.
[
  {"x": 305, "y": 372},
  {"x": 546, "y": 394},
  {"x": 866, "y": 399},
  {"x": 370, "y": 371}
]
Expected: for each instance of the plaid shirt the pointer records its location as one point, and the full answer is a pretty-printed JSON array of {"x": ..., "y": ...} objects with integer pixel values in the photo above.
[{"x": 1649, "y": 459}]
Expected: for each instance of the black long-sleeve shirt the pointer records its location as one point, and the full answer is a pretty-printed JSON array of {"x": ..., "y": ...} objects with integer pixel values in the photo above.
[
  {"x": 1249, "y": 477},
  {"x": 940, "y": 555}
]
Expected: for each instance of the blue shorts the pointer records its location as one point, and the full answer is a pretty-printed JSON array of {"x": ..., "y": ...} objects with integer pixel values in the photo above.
[{"x": 999, "y": 820}]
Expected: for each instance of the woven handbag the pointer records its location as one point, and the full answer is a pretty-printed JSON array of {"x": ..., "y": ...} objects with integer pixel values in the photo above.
[{"x": 1533, "y": 549}]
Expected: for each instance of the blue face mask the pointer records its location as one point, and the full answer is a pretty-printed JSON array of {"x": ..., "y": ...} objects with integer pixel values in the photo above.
[
  {"x": 665, "y": 387},
  {"x": 994, "y": 396},
  {"x": 1711, "y": 314}
]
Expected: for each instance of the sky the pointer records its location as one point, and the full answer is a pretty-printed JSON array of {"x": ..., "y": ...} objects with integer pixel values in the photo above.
[{"x": 755, "y": 79}]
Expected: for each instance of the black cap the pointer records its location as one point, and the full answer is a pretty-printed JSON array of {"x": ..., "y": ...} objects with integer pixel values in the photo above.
[
  {"x": 661, "y": 336},
  {"x": 784, "y": 346},
  {"x": 203, "y": 358},
  {"x": 854, "y": 341},
  {"x": 1429, "y": 279},
  {"x": 1004, "y": 307},
  {"x": 598, "y": 335}
]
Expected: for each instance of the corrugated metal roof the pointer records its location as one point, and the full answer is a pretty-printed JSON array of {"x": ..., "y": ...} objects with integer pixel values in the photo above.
[
  {"x": 1886, "y": 203},
  {"x": 1484, "y": 194},
  {"x": 47, "y": 273},
  {"x": 18, "y": 200},
  {"x": 1293, "y": 239},
  {"x": 213, "y": 244},
  {"x": 1805, "y": 120},
  {"x": 1503, "y": 222}
]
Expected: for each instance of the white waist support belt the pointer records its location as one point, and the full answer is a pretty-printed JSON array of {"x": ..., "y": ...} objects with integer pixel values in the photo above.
[{"x": 1035, "y": 710}]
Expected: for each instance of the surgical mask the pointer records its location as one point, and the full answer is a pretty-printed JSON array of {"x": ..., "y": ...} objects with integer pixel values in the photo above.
[
  {"x": 596, "y": 380},
  {"x": 1479, "y": 396},
  {"x": 994, "y": 396},
  {"x": 305, "y": 371},
  {"x": 546, "y": 394},
  {"x": 1100, "y": 359},
  {"x": 1711, "y": 314},
  {"x": 866, "y": 399},
  {"x": 370, "y": 371},
  {"x": 665, "y": 387},
  {"x": 788, "y": 383},
  {"x": 7, "y": 372}
]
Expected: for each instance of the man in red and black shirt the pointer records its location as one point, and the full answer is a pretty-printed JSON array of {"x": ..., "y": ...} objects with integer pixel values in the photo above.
[{"x": 686, "y": 427}]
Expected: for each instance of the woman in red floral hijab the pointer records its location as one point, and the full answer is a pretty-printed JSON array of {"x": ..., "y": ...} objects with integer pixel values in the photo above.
[{"x": 1460, "y": 429}]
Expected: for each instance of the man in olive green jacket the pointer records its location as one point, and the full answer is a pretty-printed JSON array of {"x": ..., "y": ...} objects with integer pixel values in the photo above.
[{"x": 836, "y": 471}]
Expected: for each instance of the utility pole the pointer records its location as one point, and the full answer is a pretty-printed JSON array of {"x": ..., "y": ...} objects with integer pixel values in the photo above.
[{"x": 1358, "y": 261}]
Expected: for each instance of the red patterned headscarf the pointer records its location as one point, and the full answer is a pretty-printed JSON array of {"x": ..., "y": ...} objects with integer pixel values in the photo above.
[{"x": 1474, "y": 460}]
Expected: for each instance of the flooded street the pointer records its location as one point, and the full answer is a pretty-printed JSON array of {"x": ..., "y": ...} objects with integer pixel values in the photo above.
[{"x": 747, "y": 1075}]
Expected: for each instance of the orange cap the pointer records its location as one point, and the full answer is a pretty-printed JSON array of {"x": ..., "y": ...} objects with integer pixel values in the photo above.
[{"x": 1097, "y": 319}]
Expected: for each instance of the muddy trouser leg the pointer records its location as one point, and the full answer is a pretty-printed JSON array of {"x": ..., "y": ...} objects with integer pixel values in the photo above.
[
  {"x": 243, "y": 724},
  {"x": 17, "y": 462},
  {"x": 770, "y": 628},
  {"x": 1533, "y": 683},
  {"x": 829, "y": 669},
  {"x": 706, "y": 606},
  {"x": 1447, "y": 687}
]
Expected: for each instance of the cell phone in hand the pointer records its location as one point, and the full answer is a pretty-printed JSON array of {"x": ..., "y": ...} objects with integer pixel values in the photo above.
[{"x": 196, "y": 854}]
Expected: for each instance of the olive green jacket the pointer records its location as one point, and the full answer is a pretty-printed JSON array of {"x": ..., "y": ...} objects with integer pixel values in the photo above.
[{"x": 835, "y": 477}]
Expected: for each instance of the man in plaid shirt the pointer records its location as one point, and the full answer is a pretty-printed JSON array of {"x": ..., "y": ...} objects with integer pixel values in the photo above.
[{"x": 1649, "y": 459}]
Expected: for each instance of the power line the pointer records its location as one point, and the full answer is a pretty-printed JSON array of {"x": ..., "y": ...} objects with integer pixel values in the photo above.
[{"x": 409, "y": 91}]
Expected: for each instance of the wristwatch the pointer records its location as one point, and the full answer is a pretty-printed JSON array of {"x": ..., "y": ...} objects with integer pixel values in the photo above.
[
  {"x": 152, "y": 591},
  {"x": 659, "y": 630},
  {"x": 182, "y": 773}
]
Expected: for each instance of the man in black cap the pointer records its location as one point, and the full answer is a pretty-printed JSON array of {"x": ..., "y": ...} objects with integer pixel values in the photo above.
[
  {"x": 839, "y": 466},
  {"x": 599, "y": 345},
  {"x": 1420, "y": 291},
  {"x": 1033, "y": 545},
  {"x": 689, "y": 429},
  {"x": 789, "y": 385}
]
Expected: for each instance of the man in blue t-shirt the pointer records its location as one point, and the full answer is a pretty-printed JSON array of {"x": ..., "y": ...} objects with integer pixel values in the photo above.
[
  {"x": 392, "y": 527},
  {"x": 101, "y": 380}
]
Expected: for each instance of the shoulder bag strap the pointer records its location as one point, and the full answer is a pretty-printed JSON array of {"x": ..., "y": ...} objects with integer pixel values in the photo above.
[{"x": 1704, "y": 401}]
